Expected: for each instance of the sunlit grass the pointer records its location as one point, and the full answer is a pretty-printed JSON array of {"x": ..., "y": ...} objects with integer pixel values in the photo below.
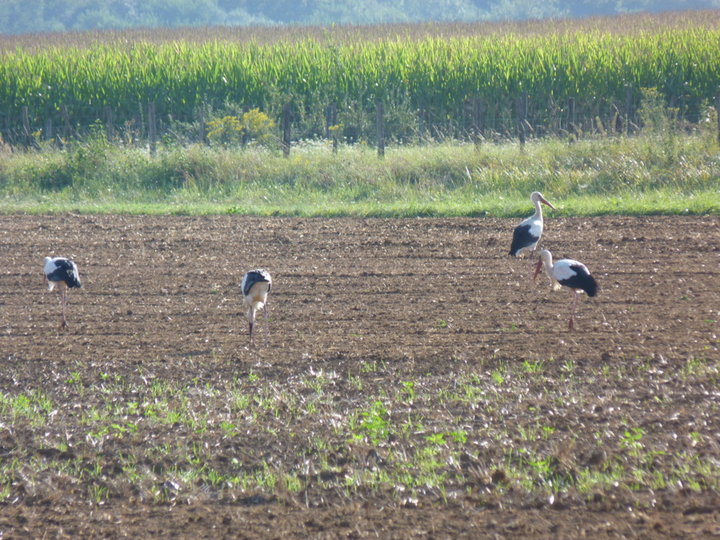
[{"x": 631, "y": 176}]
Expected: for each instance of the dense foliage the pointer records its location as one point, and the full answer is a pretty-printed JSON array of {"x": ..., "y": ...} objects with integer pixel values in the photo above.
[
  {"x": 29, "y": 16},
  {"x": 656, "y": 171},
  {"x": 573, "y": 81}
]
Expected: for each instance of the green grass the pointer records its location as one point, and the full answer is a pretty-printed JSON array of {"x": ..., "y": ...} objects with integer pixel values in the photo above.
[
  {"x": 370, "y": 442},
  {"x": 649, "y": 174}
]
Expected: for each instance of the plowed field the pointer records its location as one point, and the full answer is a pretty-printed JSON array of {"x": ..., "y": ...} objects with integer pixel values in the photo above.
[{"x": 412, "y": 380}]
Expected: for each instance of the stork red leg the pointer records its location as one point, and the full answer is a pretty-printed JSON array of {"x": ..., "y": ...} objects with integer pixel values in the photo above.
[
  {"x": 571, "y": 324},
  {"x": 267, "y": 324},
  {"x": 532, "y": 259},
  {"x": 62, "y": 306},
  {"x": 251, "y": 324}
]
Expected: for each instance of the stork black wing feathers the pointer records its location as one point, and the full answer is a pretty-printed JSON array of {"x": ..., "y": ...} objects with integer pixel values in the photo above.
[
  {"x": 521, "y": 238},
  {"x": 581, "y": 280},
  {"x": 65, "y": 271},
  {"x": 253, "y": 277}
]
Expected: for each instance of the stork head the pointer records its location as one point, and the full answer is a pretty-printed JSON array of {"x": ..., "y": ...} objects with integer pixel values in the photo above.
[
  {"x": 546, "y": 257},
  {"x": 546, "y": 260},
  {"x": 537, "y": 197}
]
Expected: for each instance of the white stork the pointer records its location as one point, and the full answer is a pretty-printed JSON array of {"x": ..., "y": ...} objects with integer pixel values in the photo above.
[
  {"x": 567, "y": 273},
  {"x": 63, "y": 273},
  {"x": 527, "y": 235},
  {"x": 256, "y": 285}
]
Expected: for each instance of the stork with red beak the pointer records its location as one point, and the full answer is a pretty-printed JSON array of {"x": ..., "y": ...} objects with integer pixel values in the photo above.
[
  {"x": 567, "y": 273},
  {"x": 527, "y": 235}
]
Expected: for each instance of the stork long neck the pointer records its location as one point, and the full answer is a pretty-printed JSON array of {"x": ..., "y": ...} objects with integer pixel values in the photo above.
[
  {"x": 538, "y": 210},
  {"x": 547, "y": 263}
]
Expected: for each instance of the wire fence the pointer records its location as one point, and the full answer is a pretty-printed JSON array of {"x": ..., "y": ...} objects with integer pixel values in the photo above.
[{"x": 477, "y": 120}]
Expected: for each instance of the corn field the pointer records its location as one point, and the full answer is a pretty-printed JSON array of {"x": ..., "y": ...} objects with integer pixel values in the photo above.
[{"x": 488, "y": 85}]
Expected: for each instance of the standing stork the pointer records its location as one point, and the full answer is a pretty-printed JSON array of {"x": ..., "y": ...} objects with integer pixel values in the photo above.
[
  {"x": 63, "y": 273},
  {"x": 527, "y": 235},
  {"x": 567, "y": 273},
  {"x": 256, "y": 285}
]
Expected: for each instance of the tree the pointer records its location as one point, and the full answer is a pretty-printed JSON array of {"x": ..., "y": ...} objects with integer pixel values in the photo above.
[
  {"x": 525, "y": 9},
  {"x": 30, "y": 16}
]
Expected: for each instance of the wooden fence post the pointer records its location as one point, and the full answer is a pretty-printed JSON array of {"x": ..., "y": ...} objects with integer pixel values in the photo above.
[
  {"x": 717, "y": 112},
  {"x": 477, "y": 121},
  {"x": 628, "y": 104},
  {"x": 380, "y": 120},
  {"x": 422, "y": 120},
  {"x": 331, "y": 129},
  {"x": 572, "y": 128},
  {"x": 152, "y": 128},
  {"x": 67, "y": 128},
  {"x": 286, "y": 129},
  {"x": 616, "y": 120},
  {"x": 6, "y": 129},
  {"x": 522, "y": 109},
  {"x": 48, "y": 134},
  {"x": 109, "y": 127},
  {"x": 27, "y": 134},
  {"x": 202, "y": 132}
]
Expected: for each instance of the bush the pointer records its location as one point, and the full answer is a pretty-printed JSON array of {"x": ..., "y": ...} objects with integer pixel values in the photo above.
[{"x": 253, "y": 126}]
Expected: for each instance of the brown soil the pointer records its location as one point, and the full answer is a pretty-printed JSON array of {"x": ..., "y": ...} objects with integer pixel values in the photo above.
[{"x": 427, "y": 299}]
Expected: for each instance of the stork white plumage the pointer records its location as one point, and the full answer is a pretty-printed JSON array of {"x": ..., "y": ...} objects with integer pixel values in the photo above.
[
  {"x": 567, "y": 273},
  {"x": 256, "y": 285},
  {"x": 63, "y": 273},
  {"x": 527, "y": 235}
]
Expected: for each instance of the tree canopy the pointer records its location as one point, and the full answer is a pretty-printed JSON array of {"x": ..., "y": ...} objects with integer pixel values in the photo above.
[{"x": 34, "y": 16}]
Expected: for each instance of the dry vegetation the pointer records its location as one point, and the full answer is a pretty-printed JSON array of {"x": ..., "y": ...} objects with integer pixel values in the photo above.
[{"x": 621, "y": 25}]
